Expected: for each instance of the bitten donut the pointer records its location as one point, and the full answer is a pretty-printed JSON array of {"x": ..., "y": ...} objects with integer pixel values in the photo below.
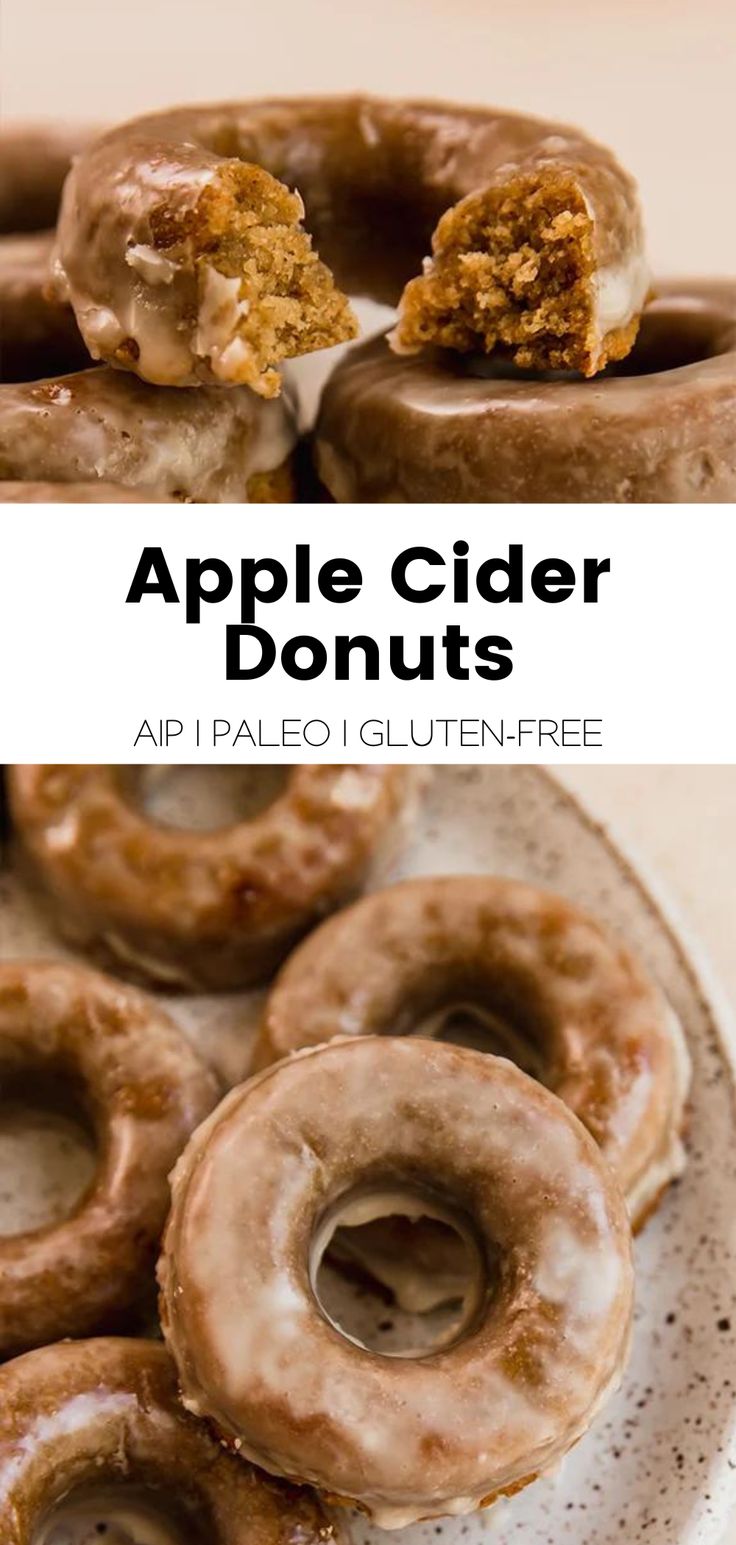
[
  {"x": 110, "y": 1052},
  {"x": 255, "y": 1198},
  {"x": 96, "y": 1421},
  {"x": 658, "y": 429},
  {"x": 59, "y": 425},
  {"x": 207, "y": 909},
  {"x": 180, "y": 244},
  {"x": 562, "y": 995},
  {"x": 62, "y": 421}
]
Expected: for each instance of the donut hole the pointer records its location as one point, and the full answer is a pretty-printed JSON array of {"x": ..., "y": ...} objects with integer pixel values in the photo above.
[
  {"x": 511, "y": 268},
  {"x": 206, "y": 799},
  {"x": 483, "y": 1029},
  {"x": 123, "y": 1513},
  {"x": 48, "y": 1151},
  {"x": 674, "y": 334},
  {"x": 399, "y": 1273}
]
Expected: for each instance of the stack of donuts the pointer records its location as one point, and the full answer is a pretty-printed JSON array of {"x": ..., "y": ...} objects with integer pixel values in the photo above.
[
  {"x": 249, "y": 1407},
  {"x": 154, "y": 278}
]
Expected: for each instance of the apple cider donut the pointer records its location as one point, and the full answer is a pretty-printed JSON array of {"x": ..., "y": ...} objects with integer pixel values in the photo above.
[
  {"x": 255, "y": 1197},
  {"x": 200, "y": 909},
  {"x": 111, "y": 1053},
  {"x": 660, "y": 428},
  {"x": 560, "y": 996},
  {"x": 181, "y": 248},
  {"x": 203, "y": 446},
  {"x": 91, "y": 1429},
  {"x": 64, "y": 422}
]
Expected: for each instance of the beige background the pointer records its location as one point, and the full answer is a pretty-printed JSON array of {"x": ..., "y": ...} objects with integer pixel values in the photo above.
[
  {"x": 654, "y": 78},
  {"x": 680, "y": 823}
]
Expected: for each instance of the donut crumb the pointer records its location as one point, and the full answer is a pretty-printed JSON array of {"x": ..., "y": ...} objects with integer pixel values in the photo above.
[
  {"x": 264, "y": 294},
  {"x": 275, "y": 487},
  {"x": 513, "y": 271}
]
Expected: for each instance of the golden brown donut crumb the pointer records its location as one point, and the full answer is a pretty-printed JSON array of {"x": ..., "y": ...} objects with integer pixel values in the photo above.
[{"x": 512, "y": 269}]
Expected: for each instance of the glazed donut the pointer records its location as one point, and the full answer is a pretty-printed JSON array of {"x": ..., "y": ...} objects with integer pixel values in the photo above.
[
  {"x": 200, "y": 909},
  {"x": 183, "y": 255},
  {"x": 98, "y": 425},
  {"x": 561, "y": 995},
  {"x": 404, "y": 1438},
  {"x": 658, "y": 429},
  {"x": 113, "y": 1054},
  {"x": 204, "y": 446},
  {"x": 83, "y": 1417}
]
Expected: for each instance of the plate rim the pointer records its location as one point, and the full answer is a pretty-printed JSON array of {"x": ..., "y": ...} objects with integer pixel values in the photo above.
[{"x": 695, "y": 961}]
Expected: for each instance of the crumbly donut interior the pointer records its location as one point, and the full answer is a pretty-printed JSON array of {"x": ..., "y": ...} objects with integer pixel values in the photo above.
[
  {"x": 513, "y": 270},
  {"x": 264, "y": 294}
]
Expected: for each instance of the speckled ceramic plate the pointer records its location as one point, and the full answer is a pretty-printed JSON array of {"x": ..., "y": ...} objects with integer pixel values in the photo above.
[{"x": 659, "y": 1466}]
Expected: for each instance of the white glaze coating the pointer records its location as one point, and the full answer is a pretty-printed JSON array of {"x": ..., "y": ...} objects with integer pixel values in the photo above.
[{"x": 620, "y": 293}]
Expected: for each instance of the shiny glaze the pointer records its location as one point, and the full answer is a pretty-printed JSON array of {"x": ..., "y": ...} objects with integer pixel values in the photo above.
[
  {"x": 144, "y": 1090},
  {"x": 404, "y": 1437}
]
